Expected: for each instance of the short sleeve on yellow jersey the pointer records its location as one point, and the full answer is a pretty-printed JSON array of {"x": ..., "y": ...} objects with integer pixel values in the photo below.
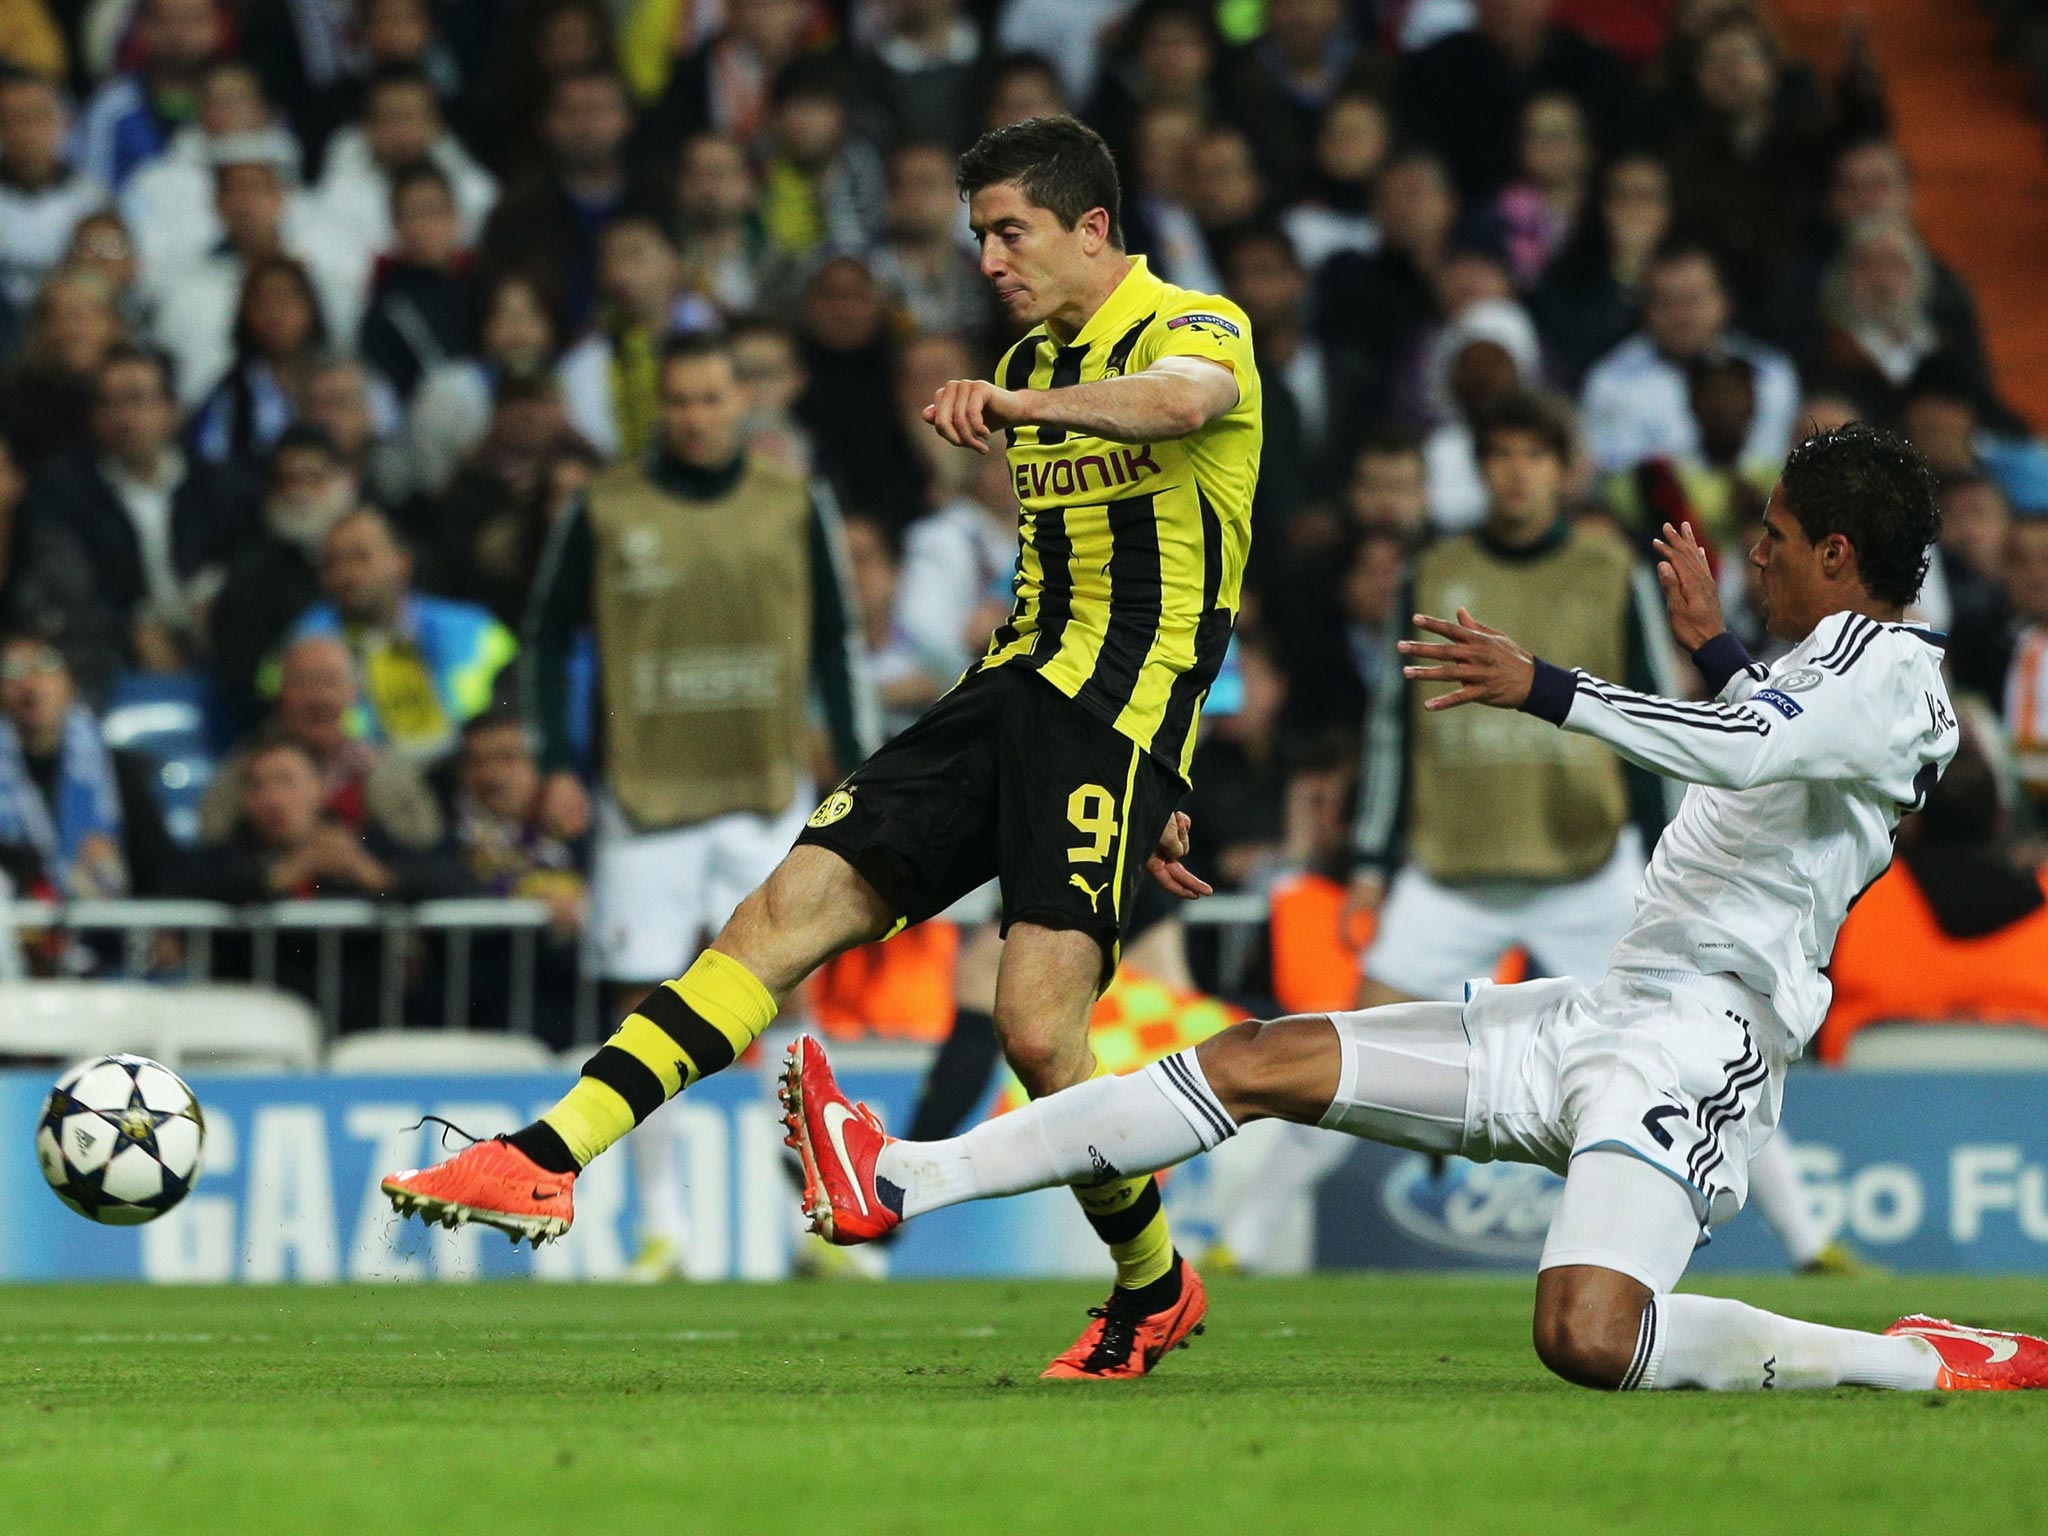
[{"x": 1205, "y": 328}]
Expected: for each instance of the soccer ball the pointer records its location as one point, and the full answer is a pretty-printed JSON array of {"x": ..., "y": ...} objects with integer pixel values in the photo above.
[{"x": 119, "y": 1139}]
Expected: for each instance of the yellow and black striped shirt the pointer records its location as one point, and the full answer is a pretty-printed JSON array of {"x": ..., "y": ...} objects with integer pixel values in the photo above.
[{"x": 1131, "y": 556}]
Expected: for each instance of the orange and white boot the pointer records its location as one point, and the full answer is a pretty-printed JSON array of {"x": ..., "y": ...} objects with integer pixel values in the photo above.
[
  {"x": 491, "y": 1182},
  {"x": 1978, "y": 1359},
  {"x": 1122, "y": 1342}
]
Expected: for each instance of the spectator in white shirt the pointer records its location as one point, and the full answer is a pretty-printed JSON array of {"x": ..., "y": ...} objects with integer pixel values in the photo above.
[
  {"x": 262, "y": 218},
  {"x": 132, "y": 118},
  {"x": 400, "y": 126},
  {"x": 1072, "y": 34},
  {"x": 1352, "y": 142},
  {"x": 41, "y": 197},
  {"x": 1636, "y": 403},
  {"x": 1487, "y": 352},
  {"x": 169, "y": 203}
]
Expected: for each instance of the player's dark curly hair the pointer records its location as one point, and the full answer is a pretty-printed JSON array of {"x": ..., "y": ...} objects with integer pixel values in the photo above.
[
  {"x": 1060, "y": 162},
  {"x": 1876, "y": 491}
]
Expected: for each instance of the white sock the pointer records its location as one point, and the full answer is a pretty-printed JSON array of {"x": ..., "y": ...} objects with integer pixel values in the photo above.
[
  {"x": 1103, "y": 1129},
  {"x": 1777, "y": 1193},
  {"x": 1725, "y": 1346}
]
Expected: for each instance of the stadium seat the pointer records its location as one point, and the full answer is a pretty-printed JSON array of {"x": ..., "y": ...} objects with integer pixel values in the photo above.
[
  {"x": 438, "y": 1051},
  {"x": 223, "y": 1026},
  {"x": 1948, "y": 1048},
  {"x": 168, "y": 718}
]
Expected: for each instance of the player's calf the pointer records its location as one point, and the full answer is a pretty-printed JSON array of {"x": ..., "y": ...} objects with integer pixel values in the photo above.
[{"x": 813, "y": 906}]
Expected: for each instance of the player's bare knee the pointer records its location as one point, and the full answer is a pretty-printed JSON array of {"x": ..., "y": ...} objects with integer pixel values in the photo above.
[
  {"x": 1273, "y": 1069},
  {"x": 1043, "y": 1063},
  {"x": 1585, "y": 1331}
]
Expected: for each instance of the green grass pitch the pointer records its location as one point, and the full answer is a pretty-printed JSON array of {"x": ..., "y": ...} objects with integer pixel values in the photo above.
[{"x": 1353, "y": 1404}]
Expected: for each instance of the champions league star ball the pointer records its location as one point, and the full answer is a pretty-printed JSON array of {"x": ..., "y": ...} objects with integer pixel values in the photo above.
[{"x": 119, "y": 1139}]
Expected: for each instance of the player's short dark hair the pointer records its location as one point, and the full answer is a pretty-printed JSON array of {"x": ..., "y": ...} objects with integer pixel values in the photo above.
[
  {"x": 1875, "y": 490},
  {"x": 1061, "y": 163},
  {"x": 1542, "y": 417}
]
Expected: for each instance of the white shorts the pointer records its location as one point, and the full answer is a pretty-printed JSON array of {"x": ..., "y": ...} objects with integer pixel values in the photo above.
[
  {"x": 1432, "y": 936},
  {"x": 1684, "y": 1072},
  {"x": 657, "y": 898}
]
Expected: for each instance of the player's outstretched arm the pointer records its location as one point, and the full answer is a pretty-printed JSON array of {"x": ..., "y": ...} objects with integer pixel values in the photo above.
[
  {"x": 1829, "y": 731},
  {"x": 1173, "y": 397}
]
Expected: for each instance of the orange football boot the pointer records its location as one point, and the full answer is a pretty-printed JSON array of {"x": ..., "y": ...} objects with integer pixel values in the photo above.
[
  {"x": 1978, "y": 1359},
  {"x": 491, "y": 1182},
  {"x": 1122, "y": 1342}
]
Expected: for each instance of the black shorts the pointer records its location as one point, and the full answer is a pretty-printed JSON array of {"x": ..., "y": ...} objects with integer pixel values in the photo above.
[{"x": 1004, "y": 778}]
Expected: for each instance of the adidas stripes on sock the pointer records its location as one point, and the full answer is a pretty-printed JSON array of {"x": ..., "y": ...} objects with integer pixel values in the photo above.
[{"x": 1726, "y": 1346}]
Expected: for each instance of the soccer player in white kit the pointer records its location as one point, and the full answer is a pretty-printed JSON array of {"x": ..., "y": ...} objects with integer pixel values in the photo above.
[{"x": 1648, "y": 1089}]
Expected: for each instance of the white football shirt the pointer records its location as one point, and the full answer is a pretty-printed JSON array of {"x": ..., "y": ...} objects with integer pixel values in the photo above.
[{"x": 1799, "y": 773}]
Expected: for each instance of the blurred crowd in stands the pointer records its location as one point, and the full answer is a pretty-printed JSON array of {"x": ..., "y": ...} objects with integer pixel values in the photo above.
[{"x": 317, "y": 317}]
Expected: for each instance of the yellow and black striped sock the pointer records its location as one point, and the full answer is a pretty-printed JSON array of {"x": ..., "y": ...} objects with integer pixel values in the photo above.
[
  {"x": 683, "y": 1030},
  {"x": 1128, "y": 1216}
]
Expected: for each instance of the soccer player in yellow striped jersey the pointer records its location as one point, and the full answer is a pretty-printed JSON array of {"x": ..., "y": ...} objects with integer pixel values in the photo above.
[
  {"x": 1132, "y": 546},
  {"x": 1055, "y": 765}
]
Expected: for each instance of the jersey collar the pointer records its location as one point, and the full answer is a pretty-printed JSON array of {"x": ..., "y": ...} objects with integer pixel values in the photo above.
[{"x": 1136, "y": 294}]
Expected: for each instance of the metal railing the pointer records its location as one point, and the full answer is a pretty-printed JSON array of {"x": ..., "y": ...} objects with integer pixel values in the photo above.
[
  {"x": 328, "y": 924},
  {"x": 459, "y": 924}
]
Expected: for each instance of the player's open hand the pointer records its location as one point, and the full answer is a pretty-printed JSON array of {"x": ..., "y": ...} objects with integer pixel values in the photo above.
[
  {"x": 1689, "y": 589},
  {"x": 968, "y": 412},
  {"x": 1165, "y": 864},
  {"x": 1489, "y": 667}
]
